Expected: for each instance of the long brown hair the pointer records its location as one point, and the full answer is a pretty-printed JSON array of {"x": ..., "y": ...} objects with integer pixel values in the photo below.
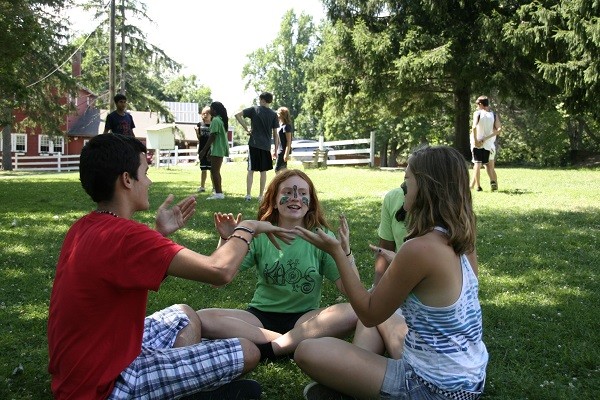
[
  {"x": 443, "y": 197},
  {"x": 268, "y": 207}
]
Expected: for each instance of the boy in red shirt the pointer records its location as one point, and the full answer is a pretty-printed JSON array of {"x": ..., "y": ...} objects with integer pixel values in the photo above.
[{"x": 100, "y": 343}]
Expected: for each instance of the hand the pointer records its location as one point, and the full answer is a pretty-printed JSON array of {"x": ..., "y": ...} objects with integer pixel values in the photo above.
[
  {"x": 379, "y": 251},
  {"x": 320, "y": 239},
  {"x": 344, "y": 234},
  {"x": 226, "y": 223},
  {"x": 169, "y": 220},
  {"x": 273, "y": 232}
]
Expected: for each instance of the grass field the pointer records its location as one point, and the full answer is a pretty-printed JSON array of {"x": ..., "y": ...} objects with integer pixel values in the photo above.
[{"x": 538, "y": 246}]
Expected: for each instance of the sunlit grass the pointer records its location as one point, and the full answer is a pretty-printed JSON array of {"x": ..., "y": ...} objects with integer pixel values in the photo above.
[{"x": 539, "y": 261}]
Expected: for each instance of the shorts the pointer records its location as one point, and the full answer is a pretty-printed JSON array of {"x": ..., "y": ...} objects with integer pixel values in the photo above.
[
  {"x": 205, "y": 163},
  {"x": 276, "y": 322},
  {"x": 280, "y": 163},
  {"x": 481, "y": 155},
  {"x": 164, "y": 372},
  {"x": 401, "y": 382},
  {"x": 259, "y": 160}
]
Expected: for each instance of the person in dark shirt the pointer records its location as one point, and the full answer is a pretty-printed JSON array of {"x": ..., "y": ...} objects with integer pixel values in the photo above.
[{"x": 120, "y": 121}]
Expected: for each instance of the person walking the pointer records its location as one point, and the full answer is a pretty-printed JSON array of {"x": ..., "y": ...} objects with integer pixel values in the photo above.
[
  {"x": 263, "y": 127},
  {"x": 486, "y": 126}
]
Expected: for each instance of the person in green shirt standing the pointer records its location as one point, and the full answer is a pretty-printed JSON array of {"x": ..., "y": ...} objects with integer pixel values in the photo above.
[{"x": 218, "y": 146}]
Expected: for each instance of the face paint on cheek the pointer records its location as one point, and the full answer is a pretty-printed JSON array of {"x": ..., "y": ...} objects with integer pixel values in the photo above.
[
  {"x": 305, "y": 201},
  {"x": 284, "y": 200}
]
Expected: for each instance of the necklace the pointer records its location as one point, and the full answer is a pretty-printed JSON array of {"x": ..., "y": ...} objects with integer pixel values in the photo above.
[{"x": 106, "y": 212}]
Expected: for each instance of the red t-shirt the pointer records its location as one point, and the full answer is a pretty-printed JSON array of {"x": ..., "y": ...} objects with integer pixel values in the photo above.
[{"x": 98, "y": 302}]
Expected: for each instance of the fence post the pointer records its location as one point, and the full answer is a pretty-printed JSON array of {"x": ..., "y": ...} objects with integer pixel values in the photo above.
[
  {"x": 372, "y": 150},
  {"x": 321, "y": 140},
  {"x": 176, "y": 156},
  {"x": 16, "y": 161},
  {"x": 58, "y": 165}
]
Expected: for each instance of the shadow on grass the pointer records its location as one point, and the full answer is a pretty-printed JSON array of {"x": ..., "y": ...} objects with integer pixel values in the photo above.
[{"x": 538, "y": 288}]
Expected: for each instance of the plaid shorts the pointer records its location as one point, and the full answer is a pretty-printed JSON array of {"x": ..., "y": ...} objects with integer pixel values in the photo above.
[{"x": 164, "y": 372}]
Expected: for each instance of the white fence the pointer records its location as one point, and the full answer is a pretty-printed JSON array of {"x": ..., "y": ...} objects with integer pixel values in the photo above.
[
  {"x": 50, "y": 162},
  {"x": 340, "y": 152}
]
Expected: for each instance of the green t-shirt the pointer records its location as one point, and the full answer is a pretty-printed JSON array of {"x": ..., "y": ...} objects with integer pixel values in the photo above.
[
  {"x": 220, "y": 147},
  {"x": 389, "y": 228},
  {"x": 290, "y": 280}
]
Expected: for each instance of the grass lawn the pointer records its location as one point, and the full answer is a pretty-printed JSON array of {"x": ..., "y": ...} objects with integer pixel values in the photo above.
[{"x": 538, "y": 246}]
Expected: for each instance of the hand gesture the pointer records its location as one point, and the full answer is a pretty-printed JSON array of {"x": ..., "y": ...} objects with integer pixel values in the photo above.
[
  {"x": 379, "y": 251},
  {"x": 320, "y": 239},
  {"x": 168, "y": 220},
  {"x": 272, "y": 231},
  {"x": 226, "y": 223},
  {"x": 344, "y": 234}
]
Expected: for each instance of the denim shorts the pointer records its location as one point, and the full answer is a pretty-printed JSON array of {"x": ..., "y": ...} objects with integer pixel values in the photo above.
[
  {"x": 164, "y": 372},
  {"x": 402, "y": 383}
]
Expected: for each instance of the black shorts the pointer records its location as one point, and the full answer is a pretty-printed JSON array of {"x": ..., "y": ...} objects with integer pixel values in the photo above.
[
  {"x": 259, "y": 160},
  {"x": 276, "y": 322},
  {"x": 481, "y": 155}
]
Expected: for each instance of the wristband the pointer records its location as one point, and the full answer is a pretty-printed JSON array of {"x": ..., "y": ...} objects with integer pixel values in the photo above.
[
  {"x": 349, "y": 254},
  {"x": 240, "y": 237},
  {"x": 244, "y": 228}
]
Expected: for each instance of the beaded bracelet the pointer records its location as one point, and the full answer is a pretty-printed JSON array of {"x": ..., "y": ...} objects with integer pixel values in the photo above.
[
  {"x": 239, "y": 237},
  {"x": 244, "y": 228},
  {"x": 349, "y": 254}
]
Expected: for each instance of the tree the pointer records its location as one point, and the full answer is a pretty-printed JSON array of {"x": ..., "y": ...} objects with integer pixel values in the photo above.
[
  {"x": 422, "y": 59},
  {"x": 147, "y": 67},
  {"x": 281, "y": 66},
  {"x": 187, "y": 89},
  {"x": 33, "y": 49},
  {"x": 563, "y": 39}
]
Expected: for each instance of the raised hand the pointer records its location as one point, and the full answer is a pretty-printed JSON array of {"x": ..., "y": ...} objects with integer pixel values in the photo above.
[
  {"x": 169, "y": 220},
  {"x": 320, "y": 239},
  {"x": 226, "y": 223},
  {"x": 344, "y": 234},
  {"x": 273, "y": 232}
]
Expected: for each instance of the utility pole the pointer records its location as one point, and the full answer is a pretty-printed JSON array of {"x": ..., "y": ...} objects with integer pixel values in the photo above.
[
  {"x": 123, "y": 46},
  {"x": 111, "y": 58}
]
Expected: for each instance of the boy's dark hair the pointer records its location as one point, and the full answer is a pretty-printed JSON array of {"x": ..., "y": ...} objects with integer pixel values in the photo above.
[
  {"x": 267, "y": 97},
  {"x": 103, "y": 159},
  {"x": 118, "y": 97}
]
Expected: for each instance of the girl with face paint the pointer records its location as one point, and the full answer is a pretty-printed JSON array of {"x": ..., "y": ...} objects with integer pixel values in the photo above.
[{"x": 285, "y": 308}]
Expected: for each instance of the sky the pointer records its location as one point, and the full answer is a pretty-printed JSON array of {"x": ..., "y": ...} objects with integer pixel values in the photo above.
[{"x": 212, "y": 39}]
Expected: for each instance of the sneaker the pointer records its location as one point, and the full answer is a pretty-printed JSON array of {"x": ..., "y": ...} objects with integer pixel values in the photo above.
[
  {"x": 479, "y": 189},
  {"x": 216, "y": 196},
  {"x": 260, "y": 199},
  {"x": 248, "y": 197},
  {"x": 241, "y": 389},
  {"x": 316, "y": 391},
  {"x": 201, "y": 189},
  {"x": 494, "y": 185}
]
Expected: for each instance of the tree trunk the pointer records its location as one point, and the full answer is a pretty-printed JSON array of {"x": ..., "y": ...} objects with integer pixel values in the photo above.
[
  {"x": 462, "y": 127},
  {"x": 6, "y": 142},
  {"x": 383, "y": 154},
  {"x": 393, "y": 160}
]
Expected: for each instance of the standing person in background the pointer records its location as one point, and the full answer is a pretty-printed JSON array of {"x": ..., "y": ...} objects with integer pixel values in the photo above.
[
  {"x": 263, "y": 126},
  {"x": 120, "y": 121},
  {"x": 285, "y": 138},
  {"x": 203, "y": 134},
  {"x": 483, "y": 137},
  {"x": 218, "y": 146}
]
